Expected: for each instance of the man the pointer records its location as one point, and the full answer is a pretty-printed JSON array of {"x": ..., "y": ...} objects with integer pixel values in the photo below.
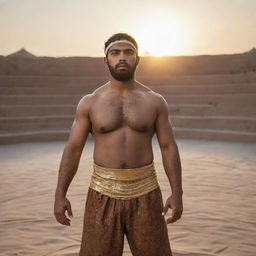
[{"x": 124, "y": 196}]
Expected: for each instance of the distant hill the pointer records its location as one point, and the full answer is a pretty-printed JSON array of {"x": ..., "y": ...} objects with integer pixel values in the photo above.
[
  {"x": 25, "y": 63},
  {"x": 22, "y": 53}
]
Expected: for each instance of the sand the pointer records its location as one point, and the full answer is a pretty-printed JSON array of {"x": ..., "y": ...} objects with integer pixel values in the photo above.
[{"x": 219, "y": 199}]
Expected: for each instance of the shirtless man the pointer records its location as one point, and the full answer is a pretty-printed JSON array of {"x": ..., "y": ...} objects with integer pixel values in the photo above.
[{"x": 122, "y": 116}]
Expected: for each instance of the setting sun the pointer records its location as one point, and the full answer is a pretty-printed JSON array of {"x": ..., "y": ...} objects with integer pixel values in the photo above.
[{"x": 160, "y": 36}]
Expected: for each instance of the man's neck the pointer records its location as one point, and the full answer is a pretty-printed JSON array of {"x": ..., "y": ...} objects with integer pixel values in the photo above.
[{"x": 121, "y": 86}]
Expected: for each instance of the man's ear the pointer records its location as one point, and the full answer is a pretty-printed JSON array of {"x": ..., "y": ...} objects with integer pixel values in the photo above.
[
  {"x": 105, "y": 60},
  {"x": 137, "y": 60}
]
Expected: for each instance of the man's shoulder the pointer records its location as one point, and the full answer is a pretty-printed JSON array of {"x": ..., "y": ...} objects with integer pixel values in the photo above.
[
  {"x": 91, "y": 97},
  {"x": 87, "y": 101},
  {"x": 154, "y": 96},
  {"x": 157, "y": 100}
]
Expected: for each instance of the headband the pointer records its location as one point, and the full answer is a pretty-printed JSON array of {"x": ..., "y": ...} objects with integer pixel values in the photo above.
[{"x": 120, "y": 41}]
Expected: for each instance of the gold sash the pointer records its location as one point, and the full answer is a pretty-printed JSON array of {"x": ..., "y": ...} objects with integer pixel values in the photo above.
[{"x": 124, "y": 183}]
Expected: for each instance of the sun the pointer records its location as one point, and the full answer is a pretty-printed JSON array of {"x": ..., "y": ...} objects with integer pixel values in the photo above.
[{"x": 160, "y": 36}]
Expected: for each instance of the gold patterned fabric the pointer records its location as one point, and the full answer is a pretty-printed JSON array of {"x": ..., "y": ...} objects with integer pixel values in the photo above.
[
  {"x": 107, "y": 220},
  {"x": 124, "y": 183}
]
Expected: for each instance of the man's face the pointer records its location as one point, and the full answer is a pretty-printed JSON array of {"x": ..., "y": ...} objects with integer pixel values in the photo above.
[{"x": 122, "y": 61}]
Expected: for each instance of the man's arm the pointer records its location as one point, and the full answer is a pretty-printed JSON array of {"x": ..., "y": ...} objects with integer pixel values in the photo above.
[
  {"x": 170, "y": 158},
  {"x": 70, "y": 159}
]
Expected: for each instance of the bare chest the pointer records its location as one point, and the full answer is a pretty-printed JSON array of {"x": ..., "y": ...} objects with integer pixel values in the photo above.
[{"x": 112, "y": 113}]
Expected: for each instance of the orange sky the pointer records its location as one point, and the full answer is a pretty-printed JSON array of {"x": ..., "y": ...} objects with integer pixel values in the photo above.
[{"x": 161, "y": 27}]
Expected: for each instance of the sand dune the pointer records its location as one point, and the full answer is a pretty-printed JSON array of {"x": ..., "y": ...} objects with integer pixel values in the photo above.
[{"x": 219, "y": 199}]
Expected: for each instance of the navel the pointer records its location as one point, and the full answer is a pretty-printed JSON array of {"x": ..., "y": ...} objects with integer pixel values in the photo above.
[
  {"x": 124, "y": 166},
  {"x": 102, "y": 129}
]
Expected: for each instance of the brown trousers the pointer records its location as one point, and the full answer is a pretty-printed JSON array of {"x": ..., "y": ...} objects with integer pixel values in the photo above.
[{"x": 107, "y": 220}]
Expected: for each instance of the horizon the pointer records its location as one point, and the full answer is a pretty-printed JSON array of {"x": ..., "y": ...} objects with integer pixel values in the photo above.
[
  {"x": 158, "y": 57},
  {"x": 162, "y": 28}
]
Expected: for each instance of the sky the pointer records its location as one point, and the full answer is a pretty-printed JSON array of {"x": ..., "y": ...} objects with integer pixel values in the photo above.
[{"x": 161, "y": 27}]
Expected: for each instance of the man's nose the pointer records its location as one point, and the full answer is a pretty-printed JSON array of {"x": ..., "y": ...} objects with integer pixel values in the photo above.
[{"x": 122, "y": 56}]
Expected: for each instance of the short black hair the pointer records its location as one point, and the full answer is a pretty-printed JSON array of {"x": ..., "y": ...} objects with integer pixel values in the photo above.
[{"x": 121, "y": 36}]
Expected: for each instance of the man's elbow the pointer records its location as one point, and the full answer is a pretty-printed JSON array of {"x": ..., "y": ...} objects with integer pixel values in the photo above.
[{"x": 74, "y": 149}]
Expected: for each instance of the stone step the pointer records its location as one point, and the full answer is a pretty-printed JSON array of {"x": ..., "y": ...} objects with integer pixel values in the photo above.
[
  {"x": 204, "y": 85},
  {"x": 214, "y": 89},
  {"x": 210, "y": 134},
  {"x": 189, "y": 109},
  {"x": 239, "y": 123},
  {"x": 199, "y": 79},
  {"x": 37, "y": 110},
  {"x": 51, "y": 81},
  {"x": 95, "y": 81},
  {"x": 34, "y": 123},
  {"x": 34, "y": 136},
  {"x": 237, "y": 99},
  {"x": 57, "y": 122},
  {"x": 175, "y": 109},
  {"x": 42, "y": 108},
  {"x": 40, "y": 99},
  {"x": 211, "y": 110},
  {"x": 203, "y": 134},
  {"x": 41, "y": 91}
]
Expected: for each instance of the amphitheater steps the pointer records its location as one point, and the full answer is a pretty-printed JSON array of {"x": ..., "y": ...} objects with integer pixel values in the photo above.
[
  {"x": 207, "y": 89},
  {"x": 215, "y": 123},
  {"x": 33, "y": 136},
  {"x": 213, "y": 134},
  {"x": 204, "y": 134},
  {"x": 212, "y": 99},
  {"x": 171, "y": 89},
  {"x": 212, "y": 110},
  {"x": 51, "y": 81},
  {"x": 42, "y": 91},
  {"x": 93, "y": 82},
  {"x": 175, "y": 109},
  {"x": 43, "y": 108},
  {"x": 37, "y": 110},
  {"x": 65, "y": 121},
  {"x": 39, "y": 99},
  {"x": 170, "y": 98},
  {"x": 34, "y": 123},
  {"x": 43, "y": 128}
]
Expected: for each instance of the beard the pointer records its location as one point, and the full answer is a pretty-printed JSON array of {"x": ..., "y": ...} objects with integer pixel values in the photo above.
[{"x": 122, "y": 75}]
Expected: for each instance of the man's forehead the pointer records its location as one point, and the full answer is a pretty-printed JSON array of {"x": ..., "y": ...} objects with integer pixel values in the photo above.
[{"x": 121, "y": 46}]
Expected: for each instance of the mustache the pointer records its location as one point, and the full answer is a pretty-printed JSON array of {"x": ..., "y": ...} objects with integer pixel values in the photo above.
[{"x": 122, "y": 64}]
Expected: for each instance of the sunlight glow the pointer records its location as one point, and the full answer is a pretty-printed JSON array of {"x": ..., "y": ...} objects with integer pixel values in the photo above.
[{"x": 160, "y": 36}]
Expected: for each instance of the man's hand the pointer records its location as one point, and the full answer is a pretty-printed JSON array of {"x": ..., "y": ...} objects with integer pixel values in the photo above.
[
  {"x": 62, "y": 205},
  {"x": 175, "y": 203}
]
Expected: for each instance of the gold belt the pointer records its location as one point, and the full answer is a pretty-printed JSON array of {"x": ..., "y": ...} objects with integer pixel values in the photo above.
[{"x": 124, "y": 183}]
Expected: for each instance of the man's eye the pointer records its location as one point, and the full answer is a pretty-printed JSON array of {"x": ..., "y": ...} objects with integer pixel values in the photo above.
[
  {"x": 130, "y": 52},
  {"x": 114, "y": 52}
]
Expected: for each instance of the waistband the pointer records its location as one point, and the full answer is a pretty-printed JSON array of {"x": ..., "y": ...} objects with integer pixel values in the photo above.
[{"x": 124, "y": 183}]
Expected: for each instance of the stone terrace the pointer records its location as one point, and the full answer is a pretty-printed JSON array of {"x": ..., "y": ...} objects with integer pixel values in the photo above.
[{"x": 216, "y": 107}]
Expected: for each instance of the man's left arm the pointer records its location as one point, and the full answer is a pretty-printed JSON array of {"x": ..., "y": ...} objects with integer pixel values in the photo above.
[{"x": 171, "y": 160}]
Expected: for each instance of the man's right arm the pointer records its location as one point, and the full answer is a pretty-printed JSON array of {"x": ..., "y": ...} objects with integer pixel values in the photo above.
[{"x": 70, "y": 159}]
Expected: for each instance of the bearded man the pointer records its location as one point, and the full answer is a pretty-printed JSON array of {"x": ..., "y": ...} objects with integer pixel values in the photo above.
[{"x": 124, "y": 196}]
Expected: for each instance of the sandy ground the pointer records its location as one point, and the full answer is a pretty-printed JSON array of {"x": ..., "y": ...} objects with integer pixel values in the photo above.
[{"x": 219, "y": 199}]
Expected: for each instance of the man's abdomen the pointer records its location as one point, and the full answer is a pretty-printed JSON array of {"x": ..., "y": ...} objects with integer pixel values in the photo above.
[{"x": 123, "y": 149}]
